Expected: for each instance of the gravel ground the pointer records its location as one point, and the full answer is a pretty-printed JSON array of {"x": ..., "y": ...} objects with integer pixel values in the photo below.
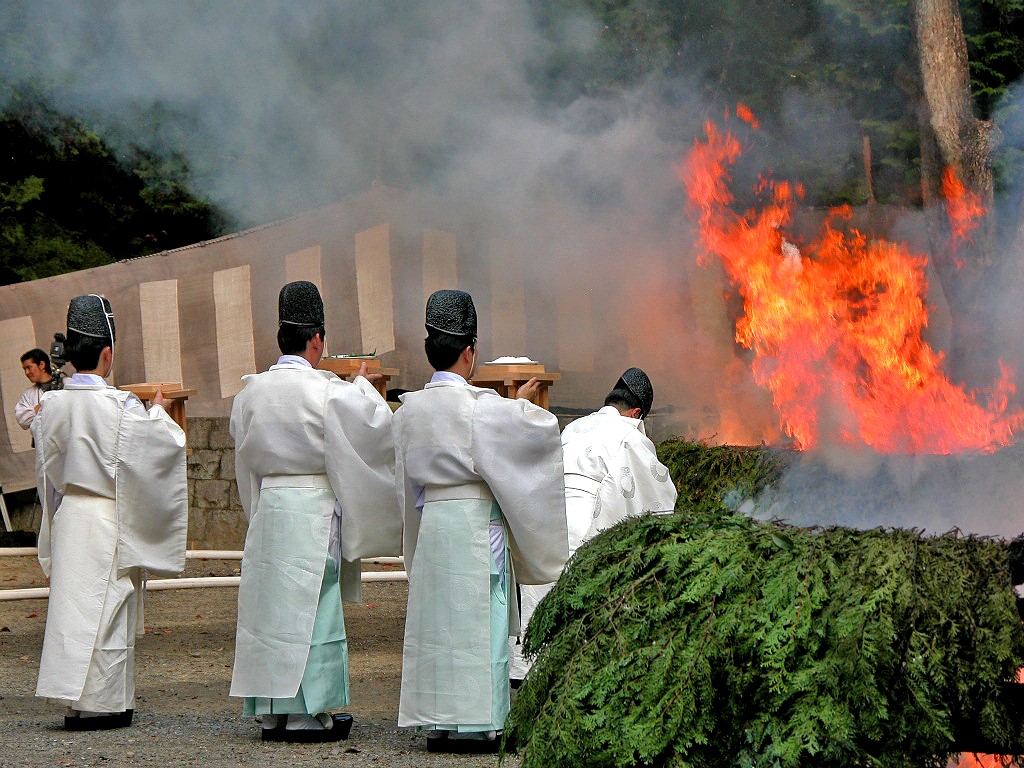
[{"x": 184, "y": 716}]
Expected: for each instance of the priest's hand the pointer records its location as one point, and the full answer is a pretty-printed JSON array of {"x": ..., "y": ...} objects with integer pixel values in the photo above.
[
  {"x": 529, "y": 391},
  {"x": 370, "y": 377},
  {"x": 159, "y": 399}
]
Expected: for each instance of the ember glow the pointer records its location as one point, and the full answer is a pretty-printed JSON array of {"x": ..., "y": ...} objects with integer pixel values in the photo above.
[{"x": 836, "y": 324}]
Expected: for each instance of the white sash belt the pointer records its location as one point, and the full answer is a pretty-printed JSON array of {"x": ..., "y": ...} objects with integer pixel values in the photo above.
[
  {"x": 296, "y": 481},
  {"x": 582, "y": 483},
  {"x": 453, "y": 492}
]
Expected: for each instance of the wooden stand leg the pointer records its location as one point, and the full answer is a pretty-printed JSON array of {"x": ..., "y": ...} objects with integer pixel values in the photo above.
[{"x": 3, "y": 509}]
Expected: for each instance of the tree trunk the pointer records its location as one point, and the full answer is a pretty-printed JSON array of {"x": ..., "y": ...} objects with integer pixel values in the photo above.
[{"x": 952, "y": 137}]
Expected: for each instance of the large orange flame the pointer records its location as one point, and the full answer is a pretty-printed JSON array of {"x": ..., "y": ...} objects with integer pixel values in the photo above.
[{"x": 836, "y": 327}]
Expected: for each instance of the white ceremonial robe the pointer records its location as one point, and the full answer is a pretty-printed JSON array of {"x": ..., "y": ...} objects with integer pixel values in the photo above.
[
  {"x": 457, "y": 448},
  {"x": 25, "y": 408},
  {"x": 113, "y": 486},
  {"x": 612, "y": 472},
  {"x": 299, "y": 430}
]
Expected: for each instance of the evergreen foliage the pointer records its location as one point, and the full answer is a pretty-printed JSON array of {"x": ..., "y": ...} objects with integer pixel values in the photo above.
[
  {"x": 993, "y": 29},
  {"x": 706, "y": 474},
  {"x": 705, "y": 638}
]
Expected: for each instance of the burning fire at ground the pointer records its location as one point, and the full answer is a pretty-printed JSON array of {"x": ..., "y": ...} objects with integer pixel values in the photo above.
[
  {"x": 836, "y": 324},
  {"x": 963, "y": 208},
  {"x": 977, "y": 760}
]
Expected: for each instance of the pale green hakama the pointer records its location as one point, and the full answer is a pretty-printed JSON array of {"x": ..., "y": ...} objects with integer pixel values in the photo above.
[
  {"x": 470, "y": 467},
  {"x": 455, "y": 655},
  {"x": 324, "y": 682},
  {"x": 291, "y": 651}
]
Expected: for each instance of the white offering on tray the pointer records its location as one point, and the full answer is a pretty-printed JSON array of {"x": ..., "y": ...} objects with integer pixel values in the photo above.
[{"x": 506, "y": 360}]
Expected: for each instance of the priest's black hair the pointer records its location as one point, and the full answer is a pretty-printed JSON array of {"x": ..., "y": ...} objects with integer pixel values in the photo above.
[
  {"x": 83, "y": 351},
  {"x": 443, "y": 349},
  {"x": 623, "y": 399},
  {"x": 292, "y": 339}
]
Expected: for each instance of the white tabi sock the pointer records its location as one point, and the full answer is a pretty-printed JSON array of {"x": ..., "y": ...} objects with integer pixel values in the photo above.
[
  {"x": 474, "y": 735},
  {"x": 309, "y": 722},
  {"x": 273, "y": 721}
]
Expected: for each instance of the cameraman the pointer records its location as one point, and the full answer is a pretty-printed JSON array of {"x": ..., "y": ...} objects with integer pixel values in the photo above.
[{"x": 36, "y": 365}]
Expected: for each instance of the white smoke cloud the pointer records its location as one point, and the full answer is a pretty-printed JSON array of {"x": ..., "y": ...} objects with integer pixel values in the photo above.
[
  {"x": 280, "y": 107},
  {"x": 973, "y": 493},
  {"x": 283, "y": 106}
]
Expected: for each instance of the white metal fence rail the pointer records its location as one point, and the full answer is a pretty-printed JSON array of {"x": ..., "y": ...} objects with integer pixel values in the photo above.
[{"x": 33, "y": 593}]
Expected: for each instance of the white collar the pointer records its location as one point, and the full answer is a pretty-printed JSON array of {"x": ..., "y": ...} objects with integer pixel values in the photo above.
[
  {"x": 292, "y": 361},
  {"x": 447, "y": 376},
  {"x": 611, "y": 410},
  {"x": 87, "y": 380}
]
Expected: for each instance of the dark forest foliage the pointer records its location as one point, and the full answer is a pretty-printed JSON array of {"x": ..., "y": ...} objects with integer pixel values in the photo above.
[
  {"x": 705, "y": 638},
  {"x": 68, "y": 201}
]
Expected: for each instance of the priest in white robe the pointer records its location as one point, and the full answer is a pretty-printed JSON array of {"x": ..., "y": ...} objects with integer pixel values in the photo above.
[
  {"x": 480, "y": 479},
  {"x": 612, "y": 472},
  {"x": 314, "y": 460},
  {"x": 111, "y": 477}
]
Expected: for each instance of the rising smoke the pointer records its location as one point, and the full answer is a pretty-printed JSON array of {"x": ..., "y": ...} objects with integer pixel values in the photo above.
[
  {"x": 282, "y": 106},
  {"x": 972, "y": 493}
]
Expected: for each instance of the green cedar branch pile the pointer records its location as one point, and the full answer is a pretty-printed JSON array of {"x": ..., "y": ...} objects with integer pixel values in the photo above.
[{"x": 705, "y": 638}]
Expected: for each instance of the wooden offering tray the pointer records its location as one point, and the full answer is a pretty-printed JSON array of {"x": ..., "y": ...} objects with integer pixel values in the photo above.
[
  {"x": 347, "y": 366},
  {"x": 507, "y": 377},
  {"x": 172, "y": 390}
]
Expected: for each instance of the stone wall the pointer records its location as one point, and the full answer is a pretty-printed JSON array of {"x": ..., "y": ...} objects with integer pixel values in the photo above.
[{"x": 215, "y": 519}]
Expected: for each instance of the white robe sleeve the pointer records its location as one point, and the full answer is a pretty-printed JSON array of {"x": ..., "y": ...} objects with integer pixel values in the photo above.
[
  {"x": 517, "y": 451},
  {"x": 360, "y": 457},
  {"x": 151, "y": 492},
  {"x": 654, "y": 487},
  {"x": 407, "y": 496},
  {"x": 47, "y": 497},
  {"x": 637, "y": 484},
  {"x": 248, "y": 482},
  {"x": 25, "y": 408}
]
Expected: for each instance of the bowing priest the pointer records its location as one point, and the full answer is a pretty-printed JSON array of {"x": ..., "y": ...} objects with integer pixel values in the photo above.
[
  {"x": 314, "y": 460},
  {"x": 480, "y": 480},
  {"x": 612, "y": 472},
  {"x": 111, "y": 477}
]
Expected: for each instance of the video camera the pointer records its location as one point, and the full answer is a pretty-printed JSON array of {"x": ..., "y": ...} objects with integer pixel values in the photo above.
[{"x": 57, "y": 362}]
